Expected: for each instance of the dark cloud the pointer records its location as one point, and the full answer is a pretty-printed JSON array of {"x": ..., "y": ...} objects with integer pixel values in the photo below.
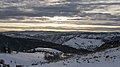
[{"x": 64, "y": 9}]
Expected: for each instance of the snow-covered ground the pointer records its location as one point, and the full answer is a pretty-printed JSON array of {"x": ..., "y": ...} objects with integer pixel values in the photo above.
[
  {"x": 25, "y": 59},
  {"x": 107, "y": 58},
  {"x": 89, "y": 44},
  {"x": 47, "y": 50}
]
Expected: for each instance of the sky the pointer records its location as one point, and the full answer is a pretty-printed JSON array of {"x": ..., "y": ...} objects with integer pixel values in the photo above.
[{"x": 60, "y": 15}]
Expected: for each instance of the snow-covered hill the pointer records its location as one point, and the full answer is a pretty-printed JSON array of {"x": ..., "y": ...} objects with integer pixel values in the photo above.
[
  {"x": 107, "y": 58},
  {"x": 61, "y": 37},
  {"x": 22, "y": 58},
  {"x": 89, "y": 44},
  {"x": 89, "y": 41}
]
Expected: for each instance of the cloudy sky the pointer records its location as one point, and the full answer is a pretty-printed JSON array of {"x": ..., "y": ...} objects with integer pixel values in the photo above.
[{"x": 86, "y": 15}]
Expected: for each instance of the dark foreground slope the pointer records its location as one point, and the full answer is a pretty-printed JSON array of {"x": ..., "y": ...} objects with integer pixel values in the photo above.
[{"x": 20, "y": 44}]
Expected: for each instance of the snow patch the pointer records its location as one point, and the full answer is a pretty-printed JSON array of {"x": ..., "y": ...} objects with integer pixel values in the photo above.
[
  {"x": 47, "y": 50},
  {"x": 89, "y": 44}
]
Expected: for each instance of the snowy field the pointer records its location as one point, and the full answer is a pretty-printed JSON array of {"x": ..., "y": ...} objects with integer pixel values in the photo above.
[
  {"x": 25, "y": 59},
  {"x": 107, "y": 58}
]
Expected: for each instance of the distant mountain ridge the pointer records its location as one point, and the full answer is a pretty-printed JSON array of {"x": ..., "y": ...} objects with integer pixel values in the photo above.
[
  {"x": 62, "y": 37},
  {"x": 25, "y": 44},
  {"x": 73, "y": 41}
]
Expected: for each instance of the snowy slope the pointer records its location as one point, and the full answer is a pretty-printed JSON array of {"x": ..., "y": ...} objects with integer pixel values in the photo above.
[
  {"x": 25, "y": 59},
  {"x": 47, "y": 50},
  {"x": 89, "y": 44},
  {"x": 108, "y": 58}
]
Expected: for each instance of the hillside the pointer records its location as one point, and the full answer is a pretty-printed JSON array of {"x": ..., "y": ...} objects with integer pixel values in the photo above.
[
  {"x": 61, "y": 41},
  {"x": 32, "y": 50},
  {"x": 24, "y": 44},
  {"x": 108, "y": 57},
  {"x": 88, "y": 44},
  {"x": 61, "y": 37}
]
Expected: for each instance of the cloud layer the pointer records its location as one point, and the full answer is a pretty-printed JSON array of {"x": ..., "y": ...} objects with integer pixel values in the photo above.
[
  {"x": 94, "y": 9},
  {"x": 106, "y": 11}
]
